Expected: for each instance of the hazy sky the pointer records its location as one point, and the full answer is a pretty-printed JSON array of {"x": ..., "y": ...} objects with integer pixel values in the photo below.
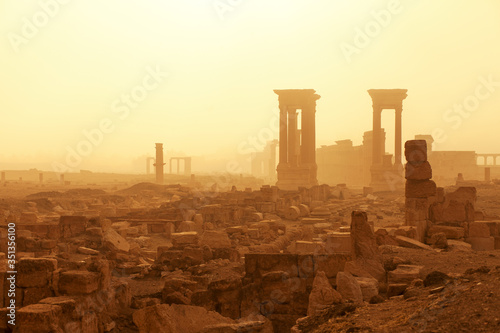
[{"x": 82, "y": 65}]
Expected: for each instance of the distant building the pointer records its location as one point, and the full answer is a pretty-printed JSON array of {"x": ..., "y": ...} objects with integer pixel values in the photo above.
[{"x": 345, "y": 163}]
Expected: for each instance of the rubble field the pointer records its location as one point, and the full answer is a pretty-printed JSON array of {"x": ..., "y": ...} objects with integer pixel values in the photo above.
[{"x": 180, "y": 258}]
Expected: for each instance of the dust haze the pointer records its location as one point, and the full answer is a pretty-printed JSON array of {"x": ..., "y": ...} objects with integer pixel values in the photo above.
[{"x": 249, "y": 166}]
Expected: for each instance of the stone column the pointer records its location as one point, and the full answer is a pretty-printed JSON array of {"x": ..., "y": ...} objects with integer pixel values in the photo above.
[
  {"x": 487, "y": 174},
  {"x": 159, "y": 163},
  {"x": 187, "y": 166},
  {"x": 292, "y": 137},
  {"x": 272, "y": 160},
  {"x": 283, "y": 144},
  {"x": 308, "y": 149},
  {"x": 178, "y": 165},
  {"x": 398, "y": 137},
  {"x": 376, "y": 136}
]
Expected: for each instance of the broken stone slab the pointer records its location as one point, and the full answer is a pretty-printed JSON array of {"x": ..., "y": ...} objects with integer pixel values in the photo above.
[
  {"x": 164, "y": 318},
  {"x": 86, "y": 250},
  {"x": 304, "y": 247},
  {"x": 322, "y": 294},
  {"x": 405, "y": 274},
  {"x": 114, "y": 242},
  {"x": 312, "y": 220},
  {"x": 349, "y": 288},
  {"x": 456, "y": 245},
  {"x": 185, "y": 238},
  {"x": 254, "y": 326},
  {"x": 320, "y": 228},
  {"x": 412, "y": 243},
  {"x": 78, "y": 282},
  {"x": 396, "y": 289}
]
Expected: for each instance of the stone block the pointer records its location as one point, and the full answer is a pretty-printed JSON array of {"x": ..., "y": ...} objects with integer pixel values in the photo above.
[
  {"x": 215, "y": 239},
  {"x": 114, "y": 242},
  {"x": 478, "y": 229},
  {"x": 72, "y": 226},
  {"x": 416, "y": 151},
  {"x": 420, "y": 188},
  {"x": 40, "y": 318},
  {"x": 338, "y": 242},
  {"x": 35, "y": 272},
  {"x": 78, "y": 282},
  {"x": 482, "y": 243},
  {"x": 185, "y": 238},
  {"x": 418, "y": 171},
  {"x": 34, "y": 295},
  {"x": 404, "y": 274},
  {"x": 303, "y": 247}
]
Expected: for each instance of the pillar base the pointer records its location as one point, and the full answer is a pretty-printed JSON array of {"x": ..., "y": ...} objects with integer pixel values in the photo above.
[{"x": 291, "y": 178}]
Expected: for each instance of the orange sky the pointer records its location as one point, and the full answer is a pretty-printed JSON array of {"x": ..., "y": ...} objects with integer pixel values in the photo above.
[{"x": 199, "y": 75}]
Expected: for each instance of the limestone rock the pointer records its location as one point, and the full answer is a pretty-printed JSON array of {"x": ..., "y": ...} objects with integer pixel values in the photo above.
[
  {"x": 349, "y": 288},
  {"x": 322, "y": 294}
]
